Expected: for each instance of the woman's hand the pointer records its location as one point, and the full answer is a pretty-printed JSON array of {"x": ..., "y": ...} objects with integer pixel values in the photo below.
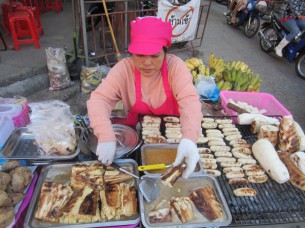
[
  {"x": 301, "y": 18},
  {"x": 105, "y": 152},
  {"x": 187, "y": 151}
]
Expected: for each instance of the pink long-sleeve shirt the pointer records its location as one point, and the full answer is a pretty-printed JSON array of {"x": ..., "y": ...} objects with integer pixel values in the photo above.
[{"x": 120, "y": 85}]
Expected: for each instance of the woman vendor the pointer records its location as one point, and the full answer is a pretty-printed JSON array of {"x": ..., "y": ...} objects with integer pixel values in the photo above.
[{"x": 150, "y": 82}]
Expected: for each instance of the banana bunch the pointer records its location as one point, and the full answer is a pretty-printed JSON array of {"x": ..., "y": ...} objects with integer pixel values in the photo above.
[
  {"x": 197, "y": 67},
  {"x": 217, "y": 66}
]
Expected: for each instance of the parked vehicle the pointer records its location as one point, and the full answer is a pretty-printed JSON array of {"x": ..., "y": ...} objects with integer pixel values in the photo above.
[
  {"x": 273, "y": 32},
  {"x": 249, "y": 17}
]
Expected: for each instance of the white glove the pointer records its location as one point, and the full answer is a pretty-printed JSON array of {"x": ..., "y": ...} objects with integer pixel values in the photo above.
[
  {"x": 105, "y": 152},
  {"x": 188, "y": 151}
]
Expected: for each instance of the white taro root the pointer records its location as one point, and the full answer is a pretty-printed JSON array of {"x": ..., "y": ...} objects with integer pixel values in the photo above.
[
  {"x": 268, "y": 158},
  {"x": 247, "y": 118},
  {"x": 257, "y": 123},
  {"x": 289, "y": 139},
  {"x": 298, "y": 159},
  {"x": 269, "y": 132}
]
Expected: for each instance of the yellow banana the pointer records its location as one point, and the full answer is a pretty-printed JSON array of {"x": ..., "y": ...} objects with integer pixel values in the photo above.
[{"x": 190, "y": 66}]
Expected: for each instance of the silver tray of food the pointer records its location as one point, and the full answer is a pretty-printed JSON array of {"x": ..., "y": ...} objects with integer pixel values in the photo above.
[
  {"x": 85, "y": 194},
  {"x": 161, "y": 153},
  {"x": 194, "y": 202},
  {"x": 22, "y": 145}
]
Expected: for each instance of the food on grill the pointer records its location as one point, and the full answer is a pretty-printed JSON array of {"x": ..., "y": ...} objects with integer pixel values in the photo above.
[
  {"x": 15, "y": 198},
  {"x": 89, "y": 174},
  {"x": 10, "y": 165},
  {"x": 223, "y": 126},
  {"x": 257, "y": 123},
  {"x": 213, "y": 131},
  {"x": 230, "y": 164},
  {"x": 223, "y": 154},
  {"x": 229, "y": 133},
  {"x": 232, "y": 170},
  {"x": 148, "y": 118},
  {"x": 245, "y": 161},
  {"x": 207, "y": 119},
  {"x": 83, "y": 208},
  {"x": 206, "y": 155},
  {"x": 268, "y": 158},
  {"x": 269, "y": 132},
  {"x": 238, "y": 141},
  {"x": 298, "y": 159},
  {"x": 209, "y": 165},
  {"x": 160, "y": 216},
  {"x": 5, "y": 179},
  {"x": 230, "y": 129},
  {"x": 242, "y": 150},
  {"x": 173, "y": 140},
  {"x": 21, "y": 177},
  {"x": 52, "y": 200},
  {"x": 128, "y": 200},
  {"x": 216, "y": 143},
  {"x": 289, "y": 139},
  {"x": 231, "y": 175},
  {"x": 238, "y": 182},
  {"x": 114, "y": 176},
  {"x": 215, "y": 134},
  {"x": 6, "y": 216},
  {"x": 207, "y": 204},
  {"x": 241, "y": 145},
  {"x": 244, "y": 192},
  {"x": 213, "y": 172},
  {"x": 297, "y": 178},
  {"x": 149, "y": 124},
  {"x": 257, "y": 172},
  {"x": 111, "y": 202},
  {"x": 173, "y": 136},
  {"x": 247, "y": 118},
  {"x": 151, "y": 132},
  {"x": 155, "y": 139},
  {"x": 258, "y": 179},
  {"x": 223, "y": 121},
  {"x": 204, "y": 150},
  {"x": 241, "y": 155},
  {"x": 175, "y": 131},
  {"x": 208, "y": 160},
  {"x": 209, "y": 125},
  {"x": 171, "y": 175},
  {"x": 4, "y": 199},
  {"x": 202, "y": 140},
  {"x": 215, "y": 139},
  {"x": 227, "y": 159},
  {"x": 172, "y": 119},
  {"x": 233, "y": 137},
  {"x": 183, "y": 208},
  {"x": 251, "y": 167},
  {"x": 172, "y": 125},
  {"x": 220, "y": 148}
]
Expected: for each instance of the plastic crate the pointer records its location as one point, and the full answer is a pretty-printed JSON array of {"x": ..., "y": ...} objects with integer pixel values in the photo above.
[
  {"x": 23, "y": 118},
  {"x": 260, "y": 100}
]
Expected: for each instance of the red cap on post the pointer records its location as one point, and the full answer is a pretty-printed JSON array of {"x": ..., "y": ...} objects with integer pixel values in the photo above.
[{"x": 149, "y": 35}]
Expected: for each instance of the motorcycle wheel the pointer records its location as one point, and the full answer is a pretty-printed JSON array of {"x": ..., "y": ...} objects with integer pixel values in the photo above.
[
  {"x": 271, "y": 36},
  {"x": 251, "y": 28},
  {"x": 300, "y": 65}
]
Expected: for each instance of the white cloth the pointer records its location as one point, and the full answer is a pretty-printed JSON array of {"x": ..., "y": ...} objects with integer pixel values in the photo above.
[
  {"x": 187, "y": 151},
  {"x": 105, "y": 152}
]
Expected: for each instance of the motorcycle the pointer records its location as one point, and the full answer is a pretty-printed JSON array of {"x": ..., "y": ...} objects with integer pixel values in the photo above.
[
  {"x": 273, "y": 32},
  {"x": 249, "y": 17}
]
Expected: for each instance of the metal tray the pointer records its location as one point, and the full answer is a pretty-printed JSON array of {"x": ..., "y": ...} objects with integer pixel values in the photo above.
[
  {"x": 144, "y": 147},
  {"x": 61, "y": 173},
  {"x": 21, "y": 145},
  {"x": 186, "y": 186}
]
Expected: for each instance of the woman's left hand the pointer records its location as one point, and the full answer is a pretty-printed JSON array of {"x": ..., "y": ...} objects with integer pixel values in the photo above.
[{"x": 187, "y": 151}]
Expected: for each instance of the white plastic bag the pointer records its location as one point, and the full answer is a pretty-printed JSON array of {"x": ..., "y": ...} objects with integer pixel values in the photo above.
[
  {"x": 58, "y": 72},
  {"x": 183, "y": 18},
  {"x": 205, "y": 85},
  {"x": 53, "y": 127}
]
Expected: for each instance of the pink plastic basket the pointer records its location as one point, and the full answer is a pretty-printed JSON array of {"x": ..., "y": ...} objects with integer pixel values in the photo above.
[
  {"x": 23, "y": 118},
  {"x": 259, "y": 100}
]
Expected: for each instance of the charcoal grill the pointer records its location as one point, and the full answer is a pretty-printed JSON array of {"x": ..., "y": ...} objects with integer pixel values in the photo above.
[{"x": 274, "y": 203}]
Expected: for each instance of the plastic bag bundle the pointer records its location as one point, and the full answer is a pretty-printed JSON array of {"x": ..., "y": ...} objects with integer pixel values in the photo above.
[
  {"x": 52, "y": 126},
  {"x": 91, "y": 77},
  {"x": 58, "y": 72},
  {"x": 206, "y": 87}
]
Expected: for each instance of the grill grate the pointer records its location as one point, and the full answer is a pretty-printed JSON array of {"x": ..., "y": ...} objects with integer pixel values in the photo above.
[{"x": 274, "y": 203}]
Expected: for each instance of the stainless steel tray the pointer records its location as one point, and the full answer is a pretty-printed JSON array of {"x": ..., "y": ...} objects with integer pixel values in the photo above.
[
  {"x": 21, "y": 145},
  {"x": 186, "y": 186},
  {"x": 145, "y": 147},
  {"x": 61, "y": 173}
]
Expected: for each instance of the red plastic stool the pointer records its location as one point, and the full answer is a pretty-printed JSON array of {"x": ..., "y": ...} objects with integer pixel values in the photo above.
[
  {"x": 54, "y": 4},
  {"x": 7, "y": 8},
  {"x": 15, "y": 19},
  {"x": 34, "y": 14}
]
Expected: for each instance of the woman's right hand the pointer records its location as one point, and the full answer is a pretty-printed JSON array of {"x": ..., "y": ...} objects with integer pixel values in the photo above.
[{"x": 105, "y": 152}]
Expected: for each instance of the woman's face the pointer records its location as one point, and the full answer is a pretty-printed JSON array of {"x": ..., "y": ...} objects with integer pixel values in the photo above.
[{"x": 149, "y": 65}]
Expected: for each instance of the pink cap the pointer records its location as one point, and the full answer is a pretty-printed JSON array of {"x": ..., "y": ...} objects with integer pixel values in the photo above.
[{"x": 149, "y": 35}]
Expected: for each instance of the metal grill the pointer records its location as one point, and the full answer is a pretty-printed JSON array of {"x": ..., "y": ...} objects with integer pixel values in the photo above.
[{"x": 274, "y": 203}]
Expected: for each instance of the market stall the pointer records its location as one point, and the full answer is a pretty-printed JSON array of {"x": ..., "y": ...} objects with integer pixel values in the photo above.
[{"x": 239, "y": 180}]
